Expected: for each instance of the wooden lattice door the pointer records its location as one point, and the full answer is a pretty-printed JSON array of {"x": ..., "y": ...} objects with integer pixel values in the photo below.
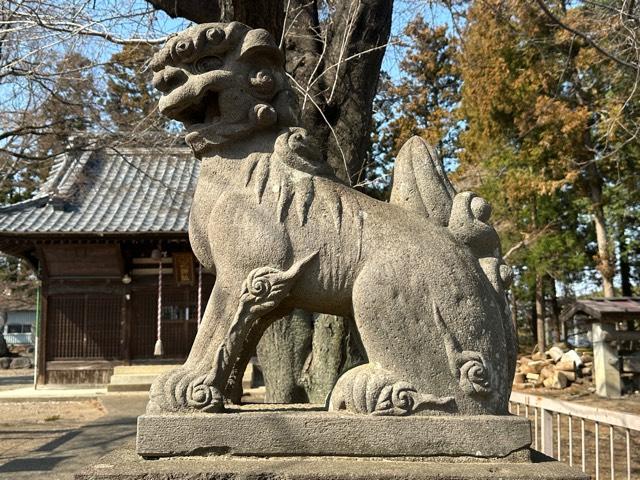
[{"x": 84, "y": 326}]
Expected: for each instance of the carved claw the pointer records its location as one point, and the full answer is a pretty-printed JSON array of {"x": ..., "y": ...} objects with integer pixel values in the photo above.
[
  {"x": 201, "y": 396},
  {"x": 368, "y": 389}
]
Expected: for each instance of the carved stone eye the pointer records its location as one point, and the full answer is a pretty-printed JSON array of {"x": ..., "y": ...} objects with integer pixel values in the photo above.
[
  {"x": 263, "y": 82},
  {"x": 207, "y": 64},
  {"x": 215, "y": 35},
  {"x": 183, "y": 49}
]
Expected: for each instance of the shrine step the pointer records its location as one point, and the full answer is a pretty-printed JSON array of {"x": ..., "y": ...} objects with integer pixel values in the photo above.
[
  {"x": 136, "y": 378},
  {"x": 144, "y": 369}
]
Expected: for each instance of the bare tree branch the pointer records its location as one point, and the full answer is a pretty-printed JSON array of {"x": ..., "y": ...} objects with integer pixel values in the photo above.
[{"x": 587, "y": 38}]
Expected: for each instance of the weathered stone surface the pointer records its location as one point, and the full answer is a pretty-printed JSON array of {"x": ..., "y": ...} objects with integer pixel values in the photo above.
[
  {"x": 125, "y": 465},
  {"x": 5, "y": 362},
  {"x": 298, "y": 430},
  {"x": 20, "y": 362},
  {"x": 420, "y": 273}
]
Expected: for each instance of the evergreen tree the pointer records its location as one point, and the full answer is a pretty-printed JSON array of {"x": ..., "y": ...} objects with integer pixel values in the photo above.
[{"x": 423, "y": 101}]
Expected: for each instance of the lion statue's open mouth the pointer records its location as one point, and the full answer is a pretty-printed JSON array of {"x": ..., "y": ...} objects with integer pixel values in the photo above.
[{"x": 223, "y": 81}]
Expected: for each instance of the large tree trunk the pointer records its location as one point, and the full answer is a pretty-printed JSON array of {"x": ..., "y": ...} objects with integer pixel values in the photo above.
[
  {"x": 267, "y": 14},
  {"x": 605, "y": 260},
  {"x": 283, "y": 351},
  {"x": 540, "y": 314},
  {"x": 554, "y": 310},
  {"x": 334, "y": 64}
]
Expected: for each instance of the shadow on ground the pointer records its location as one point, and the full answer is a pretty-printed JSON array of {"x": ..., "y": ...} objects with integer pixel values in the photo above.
[
  {"x": 73, "y": 449},
  {"x": 17, "y": 380}
]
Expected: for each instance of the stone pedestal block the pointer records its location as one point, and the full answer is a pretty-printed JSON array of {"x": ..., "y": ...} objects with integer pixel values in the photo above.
[
  {"x": 302, "y": 431},
  {"x": 126, "y": 465}
]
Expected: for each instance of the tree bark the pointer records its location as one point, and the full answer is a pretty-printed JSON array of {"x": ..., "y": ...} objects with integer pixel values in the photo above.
[
  {"x": 540, "y": 314},
  {"x": 282, "y": 352},
  {"x": 554, "y": 310},
  {"x": 335, "y": 63},
  {"x": 358, "y": 26},
  {"x": 605, "y": 259},
  {"x": 267, "y": 14}
]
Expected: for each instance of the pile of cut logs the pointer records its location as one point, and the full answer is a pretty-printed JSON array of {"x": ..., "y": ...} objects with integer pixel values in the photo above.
[{"x": 556, "y": 368}]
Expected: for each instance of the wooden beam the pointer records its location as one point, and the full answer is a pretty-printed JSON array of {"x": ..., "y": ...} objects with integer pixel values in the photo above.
[{"x": 620, "y": 336}]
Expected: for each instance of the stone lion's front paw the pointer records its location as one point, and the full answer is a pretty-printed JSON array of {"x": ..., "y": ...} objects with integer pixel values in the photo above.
[{"x": 180, "y": 391}]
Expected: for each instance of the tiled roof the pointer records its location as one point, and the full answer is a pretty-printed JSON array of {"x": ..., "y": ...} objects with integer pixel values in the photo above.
[
  {"x": 605, "y": 308},
  {"x": 133, "y": 191}
]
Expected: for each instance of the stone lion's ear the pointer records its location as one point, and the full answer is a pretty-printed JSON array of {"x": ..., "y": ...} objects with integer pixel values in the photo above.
[{"x": 260, "y": 42}]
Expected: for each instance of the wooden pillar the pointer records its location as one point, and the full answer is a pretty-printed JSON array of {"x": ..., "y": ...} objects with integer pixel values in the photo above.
[
  {"x": 125, "y": 325},
  {"x": 605, "y": 361},
  {"x": 41, "y": 355}
]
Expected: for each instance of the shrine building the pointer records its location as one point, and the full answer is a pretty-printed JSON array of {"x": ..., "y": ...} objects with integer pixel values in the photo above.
[{"x": 107, "y": 235}]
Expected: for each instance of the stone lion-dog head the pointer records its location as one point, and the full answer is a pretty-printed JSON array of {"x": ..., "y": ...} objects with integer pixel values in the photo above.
[{"x": 223, "y": 81}]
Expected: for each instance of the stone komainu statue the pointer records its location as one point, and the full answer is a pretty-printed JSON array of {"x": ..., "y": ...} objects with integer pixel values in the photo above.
[{"x": 422, "y": 276}]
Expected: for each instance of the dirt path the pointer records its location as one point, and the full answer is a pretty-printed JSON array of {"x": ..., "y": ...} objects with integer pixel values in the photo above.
[{"x": 54, "y": 440}]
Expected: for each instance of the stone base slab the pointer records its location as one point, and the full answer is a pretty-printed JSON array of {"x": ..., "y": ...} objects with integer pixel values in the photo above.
[
  {"x": 126, "y": 465},
  {"x": 306, "y": 432}
]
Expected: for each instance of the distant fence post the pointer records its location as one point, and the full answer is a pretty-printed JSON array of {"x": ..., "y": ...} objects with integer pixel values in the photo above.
[
  {"x": 546, "y": 432},
  {"x": 605, "y": 361}
]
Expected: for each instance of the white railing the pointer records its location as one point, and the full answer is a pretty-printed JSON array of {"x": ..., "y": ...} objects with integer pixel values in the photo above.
[{"x": 550, "y": 440}]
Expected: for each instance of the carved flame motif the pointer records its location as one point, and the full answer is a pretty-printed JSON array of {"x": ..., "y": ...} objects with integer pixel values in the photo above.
[
  {"x": 258, "y": 283},
  {"x": 468, "y": 366},
  {"x": 263, "y": 289},
  {"x": 201, "y": 396},
  {"x": 474, "y": 377}
]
